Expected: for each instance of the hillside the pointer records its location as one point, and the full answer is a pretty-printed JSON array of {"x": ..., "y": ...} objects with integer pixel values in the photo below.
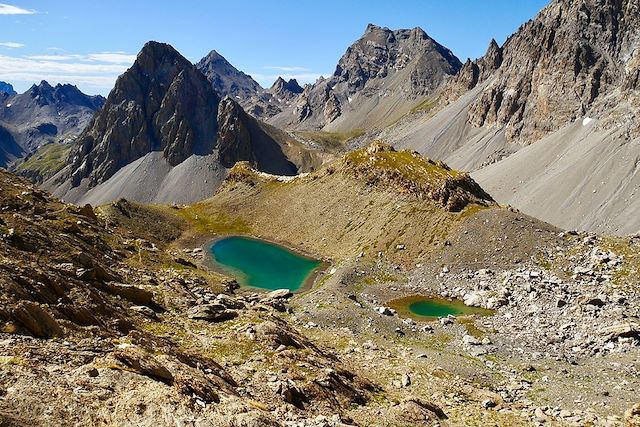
[
  {"x": 165, "y": 136},
  {"x": 379, "y": 78},
  {"x": 42, "y": 115},
  {"x": 565, "y": 77}
]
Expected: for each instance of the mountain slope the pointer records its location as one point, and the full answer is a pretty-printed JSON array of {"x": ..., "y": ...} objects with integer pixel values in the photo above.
[
  {"x": 369, "y": 200},
  {"x": 226, "y": 79},
  {"x": 7, "y": 88},
  {"x": 257, "y": 101},
  {"x": 46, "y": 114},
  {"x": 574, "y": 66},
  {"x": 164, "y": 135},
  {"x": 379, "y": 78}
]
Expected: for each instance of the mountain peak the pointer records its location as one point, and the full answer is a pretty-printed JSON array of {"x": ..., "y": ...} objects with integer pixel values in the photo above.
[
  {"x": 7, "y": 88},
  {"x": 227, "y": 79}
]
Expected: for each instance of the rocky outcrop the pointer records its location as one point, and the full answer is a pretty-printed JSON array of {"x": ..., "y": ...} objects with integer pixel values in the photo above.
[
  {"x": 45, "y": 114},
  {"x": 162, "y": 103},
  {"x": 7, "y": 88},
  {"x": 575, "y": 59},
  {"x": 241, "y": 138},
  {"x": 411, "y": 174},
  {"x": 401, "y": 64}
]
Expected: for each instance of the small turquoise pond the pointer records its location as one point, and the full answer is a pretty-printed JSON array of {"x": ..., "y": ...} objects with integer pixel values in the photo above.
[
  {"x": 432, "y": 307},
  {"x": 261, "y": 264}
]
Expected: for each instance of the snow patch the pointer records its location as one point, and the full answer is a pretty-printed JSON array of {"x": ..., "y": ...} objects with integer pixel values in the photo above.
[
  {"x": 586, "y": 121},
  {"x": 349, "y": 98}
]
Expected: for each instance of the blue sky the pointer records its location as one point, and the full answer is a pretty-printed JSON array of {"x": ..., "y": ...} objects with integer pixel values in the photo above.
[{"x": 89, "y": 43}]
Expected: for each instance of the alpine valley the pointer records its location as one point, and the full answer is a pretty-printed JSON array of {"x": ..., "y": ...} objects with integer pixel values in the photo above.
[{"x": 459, "y": 241}]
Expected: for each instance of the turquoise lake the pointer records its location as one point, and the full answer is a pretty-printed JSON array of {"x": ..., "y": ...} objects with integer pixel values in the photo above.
[
  {"x": 261, "y": 264},
  {"x": 432, "y": 307}
]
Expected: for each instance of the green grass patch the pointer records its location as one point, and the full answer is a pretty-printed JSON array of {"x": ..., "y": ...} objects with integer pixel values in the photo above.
[
  {"x": 425, "y": 105},
  {"x": 47, "y": 160},
  {"x": 213, "y": 222},
  {"x": 331, "y": 140}
]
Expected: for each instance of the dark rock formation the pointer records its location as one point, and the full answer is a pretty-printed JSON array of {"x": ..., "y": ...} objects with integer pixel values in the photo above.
[
  {"x": 7, "y": 88},
  {"x": 44, "y": 114},
  {"x": 241, "y": 138},
  {"x": 563, "y": 65},
  {"x": 162, "y": 103}
]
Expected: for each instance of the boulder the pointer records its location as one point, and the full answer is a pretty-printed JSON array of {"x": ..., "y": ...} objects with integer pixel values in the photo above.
[
  {"x": 143, "y": 363},
  {"x": 632, "y": 416},
  {"x": 279, "y": 293},
  {"x": 620, "y": 330},
  {"x": 36, "y": 320},
  {"x": 131, "y": 293},
  {"x": 211, "y": 313}
]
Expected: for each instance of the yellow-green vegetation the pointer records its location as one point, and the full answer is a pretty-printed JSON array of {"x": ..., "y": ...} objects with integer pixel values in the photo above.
[
  {"x": 425, "y": 105},
  {"x": 331, "y": 140},
  {"x": 408, "y": 165},
  {"x": 207, "y": 222},
  {"x": 47, "y": 160},
  {"x": 470, "y": 210},
  {"x": 626, "y": 275},
  {"x": 12, "y": 360}
]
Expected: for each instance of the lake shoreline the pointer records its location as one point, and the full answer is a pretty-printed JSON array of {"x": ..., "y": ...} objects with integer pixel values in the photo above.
[{"x": 308, "y": 283}]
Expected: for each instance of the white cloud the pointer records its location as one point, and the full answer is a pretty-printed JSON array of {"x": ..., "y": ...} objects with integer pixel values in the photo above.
[
  {"x": 92, "y": 72},
  {"x": 112, "y": 57},
  {"x": 11, "y": 45},
  {"x": 7, "y": 9},
  {"x": 288, "y": 69},
  {"x": 54, "y": 57}
]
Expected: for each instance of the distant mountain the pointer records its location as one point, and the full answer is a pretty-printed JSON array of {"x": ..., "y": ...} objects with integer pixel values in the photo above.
[
  {"x": 563, "y": 94},
  {"x": 226, "y": 79},
  {"x": 381, "y": 77},
  {"x": 257, "y": 101},
  {"x": 7, "y": 88},
  {"x": 45, "y": 114},
  {"x": 164, "y": 135}
]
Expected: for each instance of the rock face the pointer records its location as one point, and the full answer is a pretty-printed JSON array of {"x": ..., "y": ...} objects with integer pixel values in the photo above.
[
  {"x": 164, "y": 107},
  {"x": 162, "y": 103},
  {"x": 242, "y": 139},
  {"x": 574, "y": 59},
  {"x": 7, "y": 88},
  {"x": 42, "y": 115},
  {"x": 226, "y": 79},
  {"x": 401, "y": 65}
]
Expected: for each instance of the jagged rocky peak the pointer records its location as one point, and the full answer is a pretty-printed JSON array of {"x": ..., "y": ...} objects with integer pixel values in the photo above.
[
  {"x": 381, "y": 51},
  {"x": 474, "y": 72},
  {"x": 46, "y": 94},
  {"x": 571, "y": 61},
  {"x": 226, "y": 79},
  {"x": 281, "y": 86},
  {"x": 403, "y": 64},
  {"x": 7, "y": 88},
  {"x": 162, "y": 103}
]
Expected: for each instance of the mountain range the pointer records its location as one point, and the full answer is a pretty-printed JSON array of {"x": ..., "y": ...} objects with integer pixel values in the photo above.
[
  {"x": 42, "y": 115},
  {"x": 547, "y": 122},
  {"x": 439, "y": 216}
]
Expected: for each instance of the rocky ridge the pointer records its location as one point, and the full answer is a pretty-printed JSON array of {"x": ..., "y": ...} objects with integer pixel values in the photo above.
[
  {"x": 574, "y": 60},
  {"x": 402, "y": 65},
  {"x": 42, "y": 115}
]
